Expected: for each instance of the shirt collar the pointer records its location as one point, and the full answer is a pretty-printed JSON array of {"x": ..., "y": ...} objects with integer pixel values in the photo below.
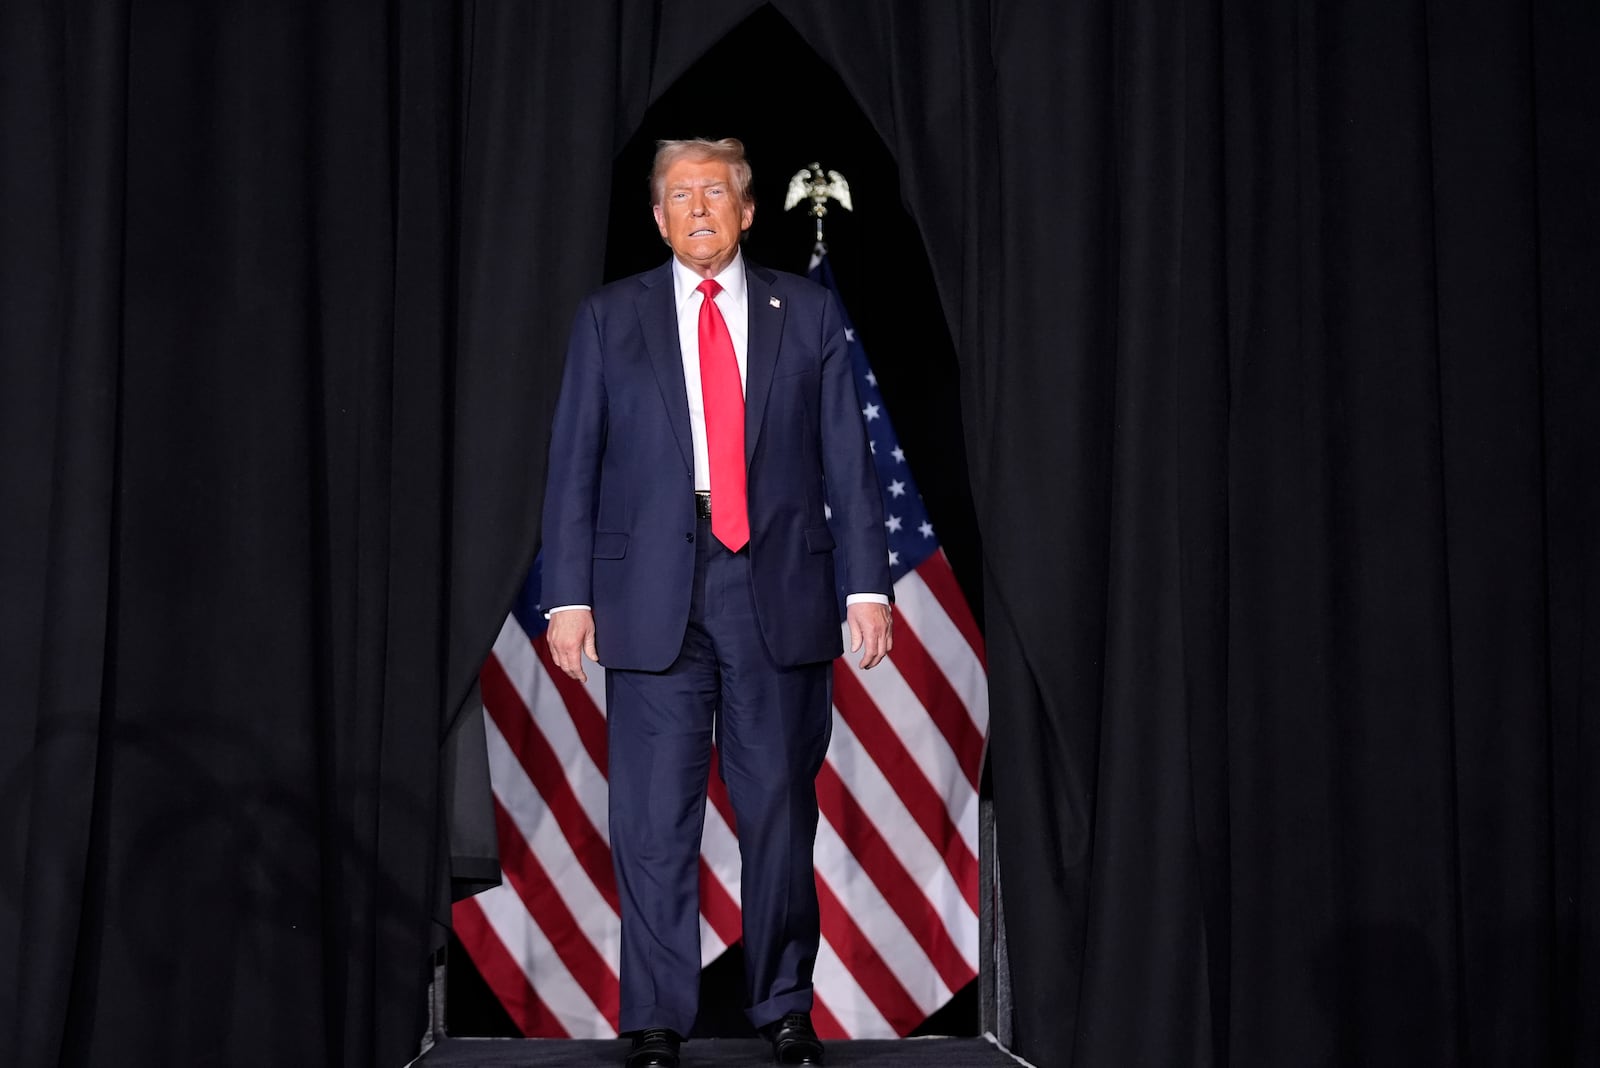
[{"x": 731, "y": 278}]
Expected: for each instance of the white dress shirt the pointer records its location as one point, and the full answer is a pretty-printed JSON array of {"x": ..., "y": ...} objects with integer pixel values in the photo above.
[
  {"x": 734, "y": 304},
  {"x": 735, "y": 309}
]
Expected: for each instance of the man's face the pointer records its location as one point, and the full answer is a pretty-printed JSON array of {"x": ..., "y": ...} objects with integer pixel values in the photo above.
[{"x": 701, "y": 215}]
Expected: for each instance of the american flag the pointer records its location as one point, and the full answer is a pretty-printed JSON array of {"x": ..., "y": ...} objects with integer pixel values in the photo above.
[{"x": 897, "y": 844}]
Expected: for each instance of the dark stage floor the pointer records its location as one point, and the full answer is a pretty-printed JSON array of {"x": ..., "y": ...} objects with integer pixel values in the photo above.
[{"x": 714, "y": 1053}]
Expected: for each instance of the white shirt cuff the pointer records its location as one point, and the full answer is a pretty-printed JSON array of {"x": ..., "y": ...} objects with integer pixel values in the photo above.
[{"x": 567, "y": 608}]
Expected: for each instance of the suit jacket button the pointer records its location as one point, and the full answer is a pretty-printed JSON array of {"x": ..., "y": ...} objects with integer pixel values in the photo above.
[{"x": 689, "y": 536}]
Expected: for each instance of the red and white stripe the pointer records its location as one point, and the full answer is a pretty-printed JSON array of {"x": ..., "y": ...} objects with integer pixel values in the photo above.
[{"x": 897, "y": 844}]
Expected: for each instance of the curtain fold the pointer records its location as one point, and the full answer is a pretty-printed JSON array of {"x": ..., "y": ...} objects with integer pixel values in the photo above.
[{"x": 62, "y": 211}]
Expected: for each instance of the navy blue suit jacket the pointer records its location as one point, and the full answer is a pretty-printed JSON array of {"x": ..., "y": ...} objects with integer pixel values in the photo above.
[{"x": 619, "y": 516}]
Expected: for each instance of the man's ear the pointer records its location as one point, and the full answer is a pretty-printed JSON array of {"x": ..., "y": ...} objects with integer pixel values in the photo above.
[{"x": 661, "y": 220}]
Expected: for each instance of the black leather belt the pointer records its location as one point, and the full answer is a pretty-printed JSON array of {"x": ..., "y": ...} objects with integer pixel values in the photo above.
[{"x": 702, "y": 504}]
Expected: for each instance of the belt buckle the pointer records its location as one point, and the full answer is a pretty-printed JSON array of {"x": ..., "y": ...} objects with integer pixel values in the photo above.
[{"x": 702, "y": 504}]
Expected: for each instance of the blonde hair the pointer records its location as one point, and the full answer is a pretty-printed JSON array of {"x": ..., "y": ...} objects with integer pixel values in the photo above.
[{"x": 729, "y": 150}]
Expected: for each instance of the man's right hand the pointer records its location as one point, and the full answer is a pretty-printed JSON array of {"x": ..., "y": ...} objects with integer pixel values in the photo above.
[{"x": 570, "y": 636}]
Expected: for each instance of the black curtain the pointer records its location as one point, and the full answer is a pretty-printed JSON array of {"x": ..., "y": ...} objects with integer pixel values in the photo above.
[
  {"x": 227, "y": 258},
  {"x": 1291, "y": 664},
  {"x": 1278, "y": 370}
]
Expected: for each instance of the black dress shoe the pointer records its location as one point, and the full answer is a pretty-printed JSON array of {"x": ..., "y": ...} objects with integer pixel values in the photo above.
[
  {"x": 654, "y": 1047},
  {"x": 793, "y": 1040}
]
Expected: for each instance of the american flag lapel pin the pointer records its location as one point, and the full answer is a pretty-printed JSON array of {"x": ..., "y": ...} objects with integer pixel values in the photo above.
[{"x": 775, "y": 302}]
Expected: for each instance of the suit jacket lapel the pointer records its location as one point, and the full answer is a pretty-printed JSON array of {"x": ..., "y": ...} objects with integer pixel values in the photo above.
[
  {"x": 761, "y": 357},
  {"x": 658, "y": 321}
]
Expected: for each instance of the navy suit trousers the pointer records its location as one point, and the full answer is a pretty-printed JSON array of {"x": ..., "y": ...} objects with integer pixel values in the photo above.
[{"x": 771, "y": 726}]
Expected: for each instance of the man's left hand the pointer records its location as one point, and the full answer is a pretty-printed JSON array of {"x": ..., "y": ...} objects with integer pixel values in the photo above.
[{"x": 870, "y": 631}]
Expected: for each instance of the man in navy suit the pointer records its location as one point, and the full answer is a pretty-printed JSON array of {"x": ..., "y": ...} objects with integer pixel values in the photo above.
[{"x": 706, "y": 426}]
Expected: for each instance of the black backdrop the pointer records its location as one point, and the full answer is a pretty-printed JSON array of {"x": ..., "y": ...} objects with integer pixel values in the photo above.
[{"x": 1278, "y": 368}]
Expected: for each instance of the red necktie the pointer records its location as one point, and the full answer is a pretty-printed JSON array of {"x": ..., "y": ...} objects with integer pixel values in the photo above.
[{"x": 724, "y": 403}]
